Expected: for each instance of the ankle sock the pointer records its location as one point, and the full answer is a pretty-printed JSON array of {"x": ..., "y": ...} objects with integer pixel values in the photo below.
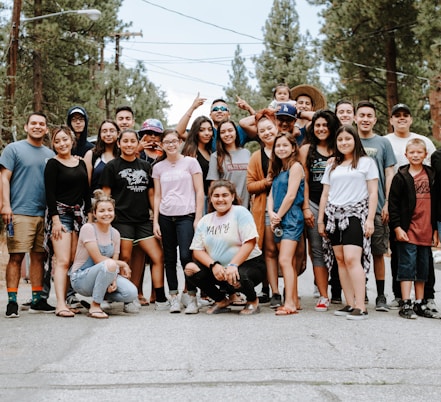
[
  {"x": 36, "y": 293},
  {"x": 12, "y": 294}
]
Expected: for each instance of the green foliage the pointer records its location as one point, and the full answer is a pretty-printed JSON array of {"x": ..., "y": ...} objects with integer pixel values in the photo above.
[
  {"x": 363, "y": 41},
  {"x": 240, "y": 87},
  {"x": 287, "y": 56},
  {"x": 72, "y": 69}
]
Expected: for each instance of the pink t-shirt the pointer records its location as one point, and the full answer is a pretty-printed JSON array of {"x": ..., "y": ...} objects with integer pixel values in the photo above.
[
  {"x": 89, "y": 233},
  {"x": 178, "y": 196}
]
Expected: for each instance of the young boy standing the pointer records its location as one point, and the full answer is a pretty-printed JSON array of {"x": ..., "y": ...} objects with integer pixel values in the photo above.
[{"x": 412, "y": 215}]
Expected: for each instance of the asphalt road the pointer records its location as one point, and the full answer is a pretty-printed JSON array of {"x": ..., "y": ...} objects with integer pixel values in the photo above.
[{"x": 158, "y": 356}]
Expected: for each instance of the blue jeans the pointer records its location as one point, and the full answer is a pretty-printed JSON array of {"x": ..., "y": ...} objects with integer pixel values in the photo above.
[
  {"x": 413, "y": 262},
  {"x": 95, "y": 280},
  {"x": 177, "y": 231}
]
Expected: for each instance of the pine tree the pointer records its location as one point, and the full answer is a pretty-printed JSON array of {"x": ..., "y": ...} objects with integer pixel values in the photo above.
[
  {"x": 287, "y": 57},
  {"x": 372, "y": 47},
  {"x": 239, "y": 87}
]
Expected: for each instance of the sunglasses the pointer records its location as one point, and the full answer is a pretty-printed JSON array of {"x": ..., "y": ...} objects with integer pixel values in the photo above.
[{"x": 221, "y": 108}]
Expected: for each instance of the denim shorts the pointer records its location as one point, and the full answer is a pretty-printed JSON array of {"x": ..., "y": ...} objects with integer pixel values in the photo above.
[
  {"x": 67, "y": 220},
  {"x": 413, "y": 262}
]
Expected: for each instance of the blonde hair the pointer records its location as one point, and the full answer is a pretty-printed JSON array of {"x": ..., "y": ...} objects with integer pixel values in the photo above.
[
  {"x": 100, "y": 196},
  {"x": 416, "y": 141}
]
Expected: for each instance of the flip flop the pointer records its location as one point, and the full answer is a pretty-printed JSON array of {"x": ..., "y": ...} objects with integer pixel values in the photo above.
[
  {"x": 237, "y": 299},
  {"x": 100, "y": 315},
  {"x": 143, "y": 301},
  {"x": 250, "y": 309},
  {"x": 65, "y": 314},
  {"x": 215, "y": 309},
  {"x": 284, "y": 311}
]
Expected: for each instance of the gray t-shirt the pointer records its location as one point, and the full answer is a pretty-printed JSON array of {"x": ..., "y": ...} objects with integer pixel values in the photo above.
[
  {"x": 235, "y": 170},
  {"x": 380, "y": 149},
  {"x": 27, "y": 163}
]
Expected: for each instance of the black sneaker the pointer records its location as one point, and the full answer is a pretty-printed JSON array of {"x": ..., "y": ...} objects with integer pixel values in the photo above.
[
  {"x": 263, "y": 298},
  {"x": 73, "y": 302},
  {"x": 357, "y": 314},
  {"x": 422, "y": 310},
  {"x": 12, "y": 310},
  {"x": 336, "y": 300},
  {"x": 381, "y": 303},
  {"x": 25, "y": 306},
  {"x": 344, "y": 311},
  {"x": 41, "y": 307},
  {"x": 406, "y": 310},
  {"x": 276, "y": 300}
]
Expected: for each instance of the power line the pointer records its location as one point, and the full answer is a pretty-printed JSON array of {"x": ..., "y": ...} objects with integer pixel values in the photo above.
[{"x": 201, "y": 21}]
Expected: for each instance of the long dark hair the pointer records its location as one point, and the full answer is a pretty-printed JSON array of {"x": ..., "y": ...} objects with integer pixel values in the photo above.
[
  {"x": 276, "y": 165},
  {"x": 192, "y": 141},
  {"x": 222, "y": 153},
  {"x": 231, "y": 187},
  {"x": 357, "y": 153},
  {"x": 100, "y": 146},
  {"x": 333, "y": 125}
]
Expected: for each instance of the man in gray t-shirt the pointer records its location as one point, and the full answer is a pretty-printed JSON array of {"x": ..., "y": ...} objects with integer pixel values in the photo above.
[
  {"x": 380, "y": 149},
  {"x": 22, "y": 167}
]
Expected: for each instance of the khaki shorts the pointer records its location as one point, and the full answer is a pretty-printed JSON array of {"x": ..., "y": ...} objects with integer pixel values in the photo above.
[
  {"x": 380, "y": 237},
  {"x": 28, "y": 234}
]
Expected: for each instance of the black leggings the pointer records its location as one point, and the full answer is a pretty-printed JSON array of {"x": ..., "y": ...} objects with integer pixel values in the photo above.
[{"x": 251, "y": 272}]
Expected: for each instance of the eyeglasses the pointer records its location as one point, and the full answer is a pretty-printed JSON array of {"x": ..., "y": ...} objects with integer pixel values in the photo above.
[
  {"x": 172, "y": 142},
  {"x": 221, "y": 108}
]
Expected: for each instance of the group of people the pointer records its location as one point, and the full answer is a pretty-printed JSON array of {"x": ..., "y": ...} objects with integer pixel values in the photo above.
[{"x": 92, "y": 217}]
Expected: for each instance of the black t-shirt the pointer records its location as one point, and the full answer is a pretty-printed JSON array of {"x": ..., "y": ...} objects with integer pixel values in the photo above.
[
  {"x": 316, "y": 170},
  {"x": 129, "y": 183},
  {"x": 204, "y": 166}
]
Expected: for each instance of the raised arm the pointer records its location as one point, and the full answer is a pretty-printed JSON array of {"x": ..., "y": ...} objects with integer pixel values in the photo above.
[{"x": 181, "y": 127}]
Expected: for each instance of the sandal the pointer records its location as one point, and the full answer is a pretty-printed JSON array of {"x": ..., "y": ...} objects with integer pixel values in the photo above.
[
  {"x": 285, "y": 311},
  {"x": 65, "y": 314},
  {"x": 143, "y": 301},
  {"x": 217, "y": 309},
  {"x": 98, "y": 315},
  {"x": 238, "y": 299},
  {"x": 250, "y": 309}
]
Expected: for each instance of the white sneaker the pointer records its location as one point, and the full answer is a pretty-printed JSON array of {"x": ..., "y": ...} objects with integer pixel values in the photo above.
[
  {"x": 205, "y": 302},
  {"x": 105, "y": 305},
  {"x": 175, "y": 305},
  {"x": 162, "y": 306},
  {"x": 185, "y": 299},
  {"x": 192, "y": 306},
  {"x": 322, "y": 304},
  {"x": 131, "y": 308}
]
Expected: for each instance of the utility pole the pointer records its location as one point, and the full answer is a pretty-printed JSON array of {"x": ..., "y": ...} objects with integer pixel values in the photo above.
[
  {"x": 118, "y": 36},
  {"x": 11, "y": 72}
]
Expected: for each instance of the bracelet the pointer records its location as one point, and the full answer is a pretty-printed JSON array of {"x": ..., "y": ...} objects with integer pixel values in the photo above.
[
  {"x": 304, "y": 209},
  {"x": 211, "y": 266},
  {"x": 232, "y": 265}
]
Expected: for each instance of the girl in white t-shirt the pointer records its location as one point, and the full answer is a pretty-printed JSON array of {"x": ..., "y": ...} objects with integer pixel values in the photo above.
[
  {"x": 178, "y": 207},
  {"x": 349, "y": 200}
]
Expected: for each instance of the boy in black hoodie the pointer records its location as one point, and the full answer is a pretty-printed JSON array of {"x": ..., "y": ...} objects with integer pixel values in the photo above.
[
  {"x": 412, "y": 213},
  {"x": 78, "y": 121}
]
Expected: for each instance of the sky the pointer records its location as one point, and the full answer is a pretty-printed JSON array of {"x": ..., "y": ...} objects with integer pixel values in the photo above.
[{"x": 187, "y": 46}]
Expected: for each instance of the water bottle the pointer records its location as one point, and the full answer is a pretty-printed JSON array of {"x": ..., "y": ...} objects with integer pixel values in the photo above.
[
  {"x": 278, "y": 231},
  {"x": 10, "y": 229}
]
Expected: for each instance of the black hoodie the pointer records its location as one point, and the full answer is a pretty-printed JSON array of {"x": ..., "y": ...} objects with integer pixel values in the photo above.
[{"x": 82, "y": 145}]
